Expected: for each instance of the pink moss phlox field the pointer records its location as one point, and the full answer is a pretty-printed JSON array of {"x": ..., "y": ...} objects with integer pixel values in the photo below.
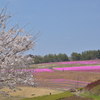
[
  {"x": 43, "y": 70},
  {"x": 80, "y": 62},
  {"x": 68, "y": 68},
  {"x": 63, "y": 80},
  {"x": 78, "y": 68},
  {"x": 75, "y": 62}
]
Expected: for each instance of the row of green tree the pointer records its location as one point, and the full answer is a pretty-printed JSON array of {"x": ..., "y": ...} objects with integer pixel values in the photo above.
[
  {"x": 86, "y": 55},
  {"x": 50, "y": 58}
]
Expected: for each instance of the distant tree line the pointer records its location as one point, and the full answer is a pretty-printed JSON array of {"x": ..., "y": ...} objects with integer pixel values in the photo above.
[
  {"x": 86, "y": 55},
  {"x": 50, "y": 58}
]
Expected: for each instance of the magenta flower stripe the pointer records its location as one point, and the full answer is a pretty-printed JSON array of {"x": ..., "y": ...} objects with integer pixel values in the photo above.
[{"x": 79, "y": 68}]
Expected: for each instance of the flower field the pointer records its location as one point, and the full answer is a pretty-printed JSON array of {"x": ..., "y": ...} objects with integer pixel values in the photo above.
[
  {"x": 79, "y": 68},
  {"x": 81, "y": 62},
  {"x": 76, "y": 62},
  {"x": 64, "y": 77}
]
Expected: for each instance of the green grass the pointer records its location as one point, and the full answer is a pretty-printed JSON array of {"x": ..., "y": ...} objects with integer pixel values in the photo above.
[
  {"x": 96, "y": 90},
  {"x": 93, "y": 93},
  {"x": 51, "y": 97},
  {"x": 90, "y": 95},
  {"x": 95, "y": 97}
]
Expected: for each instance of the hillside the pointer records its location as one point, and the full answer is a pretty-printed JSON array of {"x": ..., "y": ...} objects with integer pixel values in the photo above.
[{"x": 94, "y": 87}]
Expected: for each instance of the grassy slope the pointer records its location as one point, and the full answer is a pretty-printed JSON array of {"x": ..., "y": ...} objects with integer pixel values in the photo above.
[
  {"x": 51, "y": 97},
  {"x": 93, "y": 93},
  {"x": 88, "y": 94},
  {"x": 95, "y": 90}
]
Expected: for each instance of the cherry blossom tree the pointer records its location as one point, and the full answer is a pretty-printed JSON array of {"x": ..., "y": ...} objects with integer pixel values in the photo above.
[{"x": 14, "y": 42}]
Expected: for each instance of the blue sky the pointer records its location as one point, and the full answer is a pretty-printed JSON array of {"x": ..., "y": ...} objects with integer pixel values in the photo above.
[{"x": 64, "y": 26}]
